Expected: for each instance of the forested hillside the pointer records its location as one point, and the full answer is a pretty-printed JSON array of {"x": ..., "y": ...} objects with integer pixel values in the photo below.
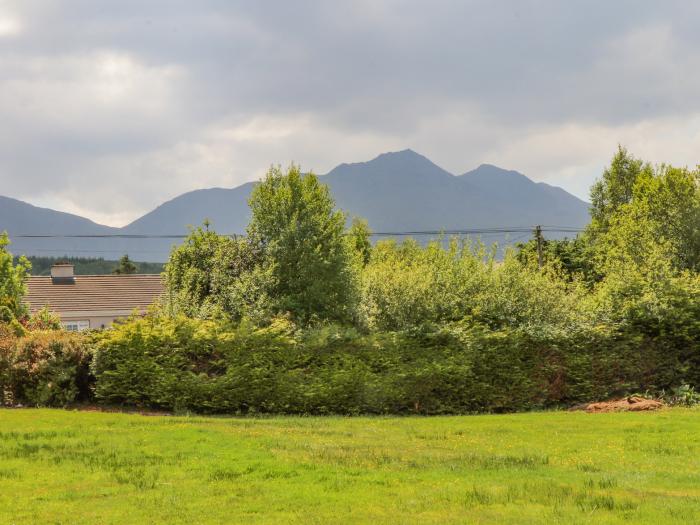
[{"x": 87, "y": 265}]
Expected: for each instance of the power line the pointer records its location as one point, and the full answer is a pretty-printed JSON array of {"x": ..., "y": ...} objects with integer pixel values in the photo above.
[
  {"x": 63, "y": 251},
  {"x": 98, "y": 236},
  {"x": 466, "y": 231}
]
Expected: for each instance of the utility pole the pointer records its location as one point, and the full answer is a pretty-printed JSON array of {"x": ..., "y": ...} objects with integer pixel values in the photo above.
[{"x": 538, "y": 237}]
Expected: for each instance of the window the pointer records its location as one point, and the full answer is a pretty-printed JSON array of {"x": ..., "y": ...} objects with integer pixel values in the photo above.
[{"x": 76, "y": 326}]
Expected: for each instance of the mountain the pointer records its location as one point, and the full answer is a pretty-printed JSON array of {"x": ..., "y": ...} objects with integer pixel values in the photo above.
[
  {"x": 406, "y": 191},
  {"x": 399, "y": 191},
  {"x": 20, "y": 218},
  {"x": 227, "y": 209},
  {"x": 521, "y": 201}
]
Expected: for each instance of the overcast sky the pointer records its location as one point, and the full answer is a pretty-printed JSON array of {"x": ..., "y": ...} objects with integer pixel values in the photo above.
[{"x": 108, "y": 108}]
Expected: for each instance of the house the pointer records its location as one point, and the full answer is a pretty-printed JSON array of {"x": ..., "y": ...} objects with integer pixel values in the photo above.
[{"x": 91, "y": 301}]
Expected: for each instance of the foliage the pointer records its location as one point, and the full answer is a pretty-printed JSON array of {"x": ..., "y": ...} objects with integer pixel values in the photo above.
[
  {"x": 43, "y": 319},
  {"x": 671, "y": 201},
  {"x": 406, "y": 285},
  {"x": 43, "y": 367},
  {"x": 437, "y": 328},
  {"x": 12, "y": 283},
  {"x": 683, "y": 395},
  {"x": 615, "y": 188},
  {"x": 208, "y": 366},
  {"x": 572, "y": 257},
  {"x": 211, "y": 275},
  {"x": 304, "y": 244},
  {"x": 125, "y": 267},
  {"x": 303, "y": 317},
  {"x": 649, "y": 255},
  {"x": 359, "y": 238},
  {"x": 637, "y": 208}
]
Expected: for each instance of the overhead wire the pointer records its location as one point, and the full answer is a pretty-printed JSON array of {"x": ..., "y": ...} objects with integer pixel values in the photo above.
[{"x": 465, "y": 231}]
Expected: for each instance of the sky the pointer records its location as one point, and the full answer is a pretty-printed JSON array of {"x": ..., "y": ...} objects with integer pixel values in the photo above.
[{"x": 109, "y": 108}]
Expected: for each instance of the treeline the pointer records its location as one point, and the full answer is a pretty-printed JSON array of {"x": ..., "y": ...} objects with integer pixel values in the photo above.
[
  {"x": 87, "y": 265},
  {"x": 304, "y": 315}
]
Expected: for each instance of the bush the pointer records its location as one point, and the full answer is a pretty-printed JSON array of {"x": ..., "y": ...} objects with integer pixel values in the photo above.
[
  {"x": 406, "y": 285},
  {"x": 43, "y": 368},
  {"x": 204, "y": 366}
]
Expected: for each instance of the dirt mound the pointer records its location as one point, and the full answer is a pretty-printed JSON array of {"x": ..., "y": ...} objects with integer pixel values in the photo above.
[{"x": 628, "y": 404}]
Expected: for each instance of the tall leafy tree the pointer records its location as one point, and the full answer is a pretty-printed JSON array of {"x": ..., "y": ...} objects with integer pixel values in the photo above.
[
  {"x": 13, "y": 279},
  {"x": 664, "y": 211},
  {"x": 615, "y": 188},
  {"x": 634, "y": 203},
  {"x": 671, "y": 200},
  {"x": 359, "y": 239},
  {"x": 294, "y": 217}
]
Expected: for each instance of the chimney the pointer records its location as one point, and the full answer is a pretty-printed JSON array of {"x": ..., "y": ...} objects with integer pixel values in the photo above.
[{"x": 62, "y": 273}]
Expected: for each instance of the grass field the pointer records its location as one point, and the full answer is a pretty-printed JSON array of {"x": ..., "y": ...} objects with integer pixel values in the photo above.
[{"x": 87, "y": 467}]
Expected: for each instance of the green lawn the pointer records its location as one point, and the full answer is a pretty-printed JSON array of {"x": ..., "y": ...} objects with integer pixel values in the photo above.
[{"x": 85, "y": 467}]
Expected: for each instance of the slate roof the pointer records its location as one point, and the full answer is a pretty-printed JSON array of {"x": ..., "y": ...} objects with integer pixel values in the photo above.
[{"x": 93, "y": 293}]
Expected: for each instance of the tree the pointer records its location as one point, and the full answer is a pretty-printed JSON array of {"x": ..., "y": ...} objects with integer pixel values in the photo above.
[
  {"x": 13, "y": 279},
  {"x": 302, "y": 235},
  {"x": 615, "y": 188},
  {"x": 635, "y": 206},
  {"x": 210, "y": 275},
  {"x": 126, "y": 267},
  {"x": 670, "y": 198},
  {"x": 663, "y": 210},
  {"x": 568, "y": 255},
  {"x": 359, "y": 238}
]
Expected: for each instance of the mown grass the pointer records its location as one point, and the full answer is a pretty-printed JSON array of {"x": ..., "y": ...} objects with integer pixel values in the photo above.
[{"x": 64, "y": 467}]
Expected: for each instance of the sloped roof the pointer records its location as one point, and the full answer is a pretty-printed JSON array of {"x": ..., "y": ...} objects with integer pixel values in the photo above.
[{"x": 93, "y": 293}]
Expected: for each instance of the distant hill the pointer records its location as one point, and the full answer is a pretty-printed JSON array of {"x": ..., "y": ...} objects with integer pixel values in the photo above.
[
  {"x": 20, "y": 218},
  {"x": 395, "y": 192},
  {"x": 87, "y": 265},
  {"x": 227, "y": 209}
]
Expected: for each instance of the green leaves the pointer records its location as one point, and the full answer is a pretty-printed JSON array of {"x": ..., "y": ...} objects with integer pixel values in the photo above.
[
  {"x": 211, "y": 275},
  {"x": 638, "y": 210},
  {"x": 44, "y": 367},
  {"x": 304, "y": 246},
  {"x": 407, "y": 285},
  {"x": 125, "y": 267},
  {"x": 13, "y": 279}
]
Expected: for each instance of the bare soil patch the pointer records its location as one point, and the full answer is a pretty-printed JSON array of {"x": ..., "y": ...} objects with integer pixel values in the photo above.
[{"x": 627, "y": 404}]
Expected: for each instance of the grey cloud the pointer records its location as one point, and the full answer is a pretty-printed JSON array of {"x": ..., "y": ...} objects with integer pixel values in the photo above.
[{"x": 462, "y": 79}]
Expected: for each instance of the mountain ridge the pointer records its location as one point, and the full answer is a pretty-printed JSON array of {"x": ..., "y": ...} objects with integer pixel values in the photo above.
[{"x": 395, "y": 191}]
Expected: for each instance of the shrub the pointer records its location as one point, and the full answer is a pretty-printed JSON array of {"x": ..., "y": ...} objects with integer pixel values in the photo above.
[
  {"x": 204, "y": 366},
  {"x": 407, "y": 285},
  {"x": 684, "y": 395},
  {"x": 43, "y": 319},
  {"x": 44, "y": 368}
]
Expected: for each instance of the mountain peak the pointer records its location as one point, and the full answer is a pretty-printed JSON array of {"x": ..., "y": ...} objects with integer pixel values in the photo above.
[
  {"x": 404, "y": 153},
  {"x": 405, "y": 165},
  {"x": 405, "y": 157},
  {"x": 488, "y": 174}
]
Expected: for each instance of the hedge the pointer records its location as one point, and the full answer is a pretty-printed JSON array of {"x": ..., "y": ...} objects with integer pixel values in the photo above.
[{"x": 203, "y": 366}]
